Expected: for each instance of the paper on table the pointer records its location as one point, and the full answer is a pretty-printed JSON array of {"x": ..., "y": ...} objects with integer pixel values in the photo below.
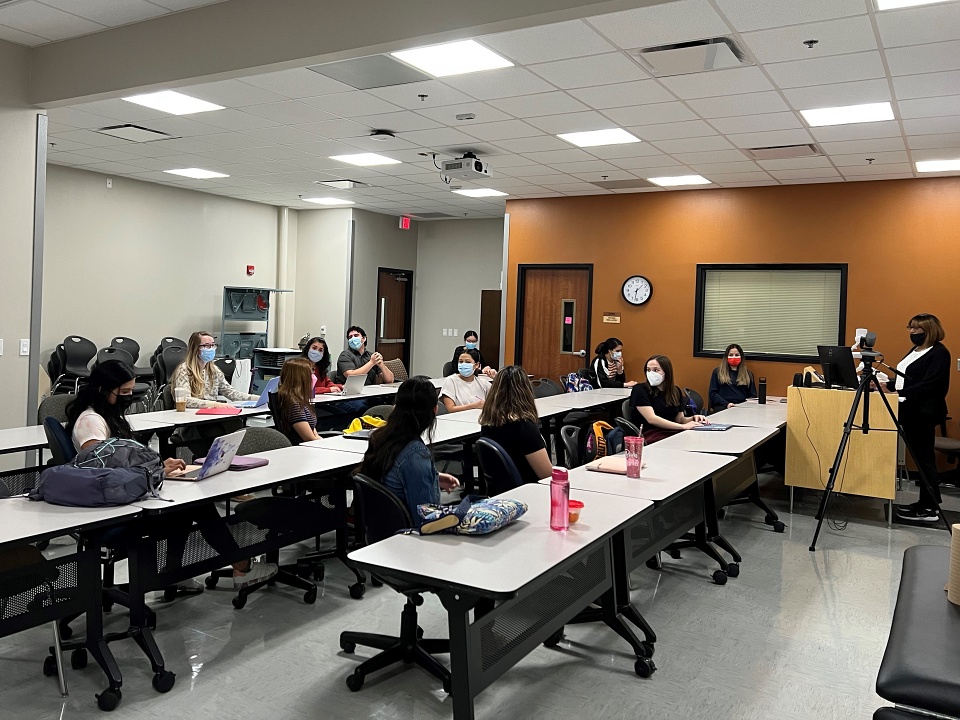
[{"x": 616, "y": 464}]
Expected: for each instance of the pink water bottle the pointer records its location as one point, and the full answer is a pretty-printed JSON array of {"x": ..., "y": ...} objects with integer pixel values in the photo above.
[{"x": 559, "y": 499}]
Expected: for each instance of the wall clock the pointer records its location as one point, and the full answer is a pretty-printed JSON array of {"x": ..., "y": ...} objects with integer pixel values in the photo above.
[{"x": 636, "y": 290}]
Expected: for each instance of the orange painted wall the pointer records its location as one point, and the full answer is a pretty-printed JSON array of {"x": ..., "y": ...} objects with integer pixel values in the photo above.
[{"x": 900, "y": 238}]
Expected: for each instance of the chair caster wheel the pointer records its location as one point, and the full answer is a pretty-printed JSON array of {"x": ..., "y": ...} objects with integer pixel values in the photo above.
[
  {"x": 733, "y": 570},
  {"x": 239, "y": 601},
  {"x": 211, "y": 582},
  {"x": 310, "y": 596},
  {"x": 419, "y": 633},
  {"x": 355, "y": 682},
  {"x": 49, "y": 666},
  {"x": 169, "y": 594},
  {"x": 78, "y": 659},
  {"x": 721, "y": 513},
  {"x": 318, "y": 573},
  {"x": 42, "y": 545},
  {"x": 675, "y": 554},
  {"x": 654, "y": 563},
  {"x": 779, "y": 527},
  {"x": 66, "y": 632},
  {"x": 649, "y": 648},
  {"x": 554, "y": 639},
  {"x": 376, "y": 582},
  {"x": 163, "y": 681},
  {"x": 107, "y": 607},
  {"x": 719, "y": 577},
  {"x": 109, "y": 699},
  {"x": 644, "y": 667},
  {"x": 349, "y": 648},
  {"x": 357, "y": 591}
]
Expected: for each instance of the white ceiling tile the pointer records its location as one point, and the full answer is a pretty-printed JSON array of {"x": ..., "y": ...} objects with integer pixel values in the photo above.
[
  {"x": 91, "y": 139},
  {"x": 583, "y": 166},
  {"x": 734, "y": 105},
  {"x": 550, "y": 103},
  {"x": 694, "y": 144},
  {"x": 671, "y": 131},
  {"x": 184, "y": 4},
  {"x": 948, "y": 140},
  {"x": 936, "y": 153},
  {"x": 44, "y": 21},
  {"x": 332, "y": 129},
  {"x": 642, "y": 166},
  {"x": 225, "y": 156},
  {"x": 232, "y": 93},
  {"x": 398, "y": 121},
  {"x": 571, "y": 122},
  {"x": 835, "y": 68},
  {"x": 718, "y": 82},
  {"x": 20, "y": 37},
  {"x": 182, "y": 127},
  {"x": 856, "y": 131},
  {"x": 721, "y": 177},
  {"x": 932, "y": 107},
  {"x": 845, "y": 35},
  {"x": 76, "y": 118},
  {"x": 756, "y": 14},
  {"x": 573, "y": 186},
  {"x": 552, "y": 157},
  {"x": 503, "y": 130},
  {"x": 119, "y": 110},
  {"x": 438, "y": 137},
  {"x": 185, "y": 145},
  {"x": 592, "y": 70},
  {"x": 232, "y": 140},
  {"x": 158, "y": 149},
  {"x": 110, "y": 12},
  {"x": 548, "y": 42},
  {"x": 661, "y": 24},
  {"x": 863, "y": 147},
  {"x": 624, "y": 150},
  {"x": 879, "y": 158},
  {"x": 770, "y": 138},
  {"x": 876, "y": 169},
  {"x": 288, "y": 112},
  {"x": 502, "y": 83},
  {"x": 271, "y": 152},
  {"x": 932, "y": 57},
  {"x": 639, "y": 92},
  {"x": 927, "y": 85},
  {"x": 231, "y": 119},
  {"x": 539, "y": 143},
  {"x": 297, "y": 83},
  {"x": 931, "y": 125},
  {"x": 115, "y": 167},
  {"x": 54, "y": 128},
  {"x": 840, "y": 94},
  {"x": 714, "y": 157},
  {"x": 824, "y": 172},
  {"x": 650, "y": 114},
  {"x": 873, "y": 178},
  {"x": 408, "y": 95},
  {"x": 351, "y": 104},
  {"x": 392, "y": 145},
  {"x": 57, "y": 144},
  {"x": 916, "y": 26},
  {"x": 757, "y": 123},
  {"x": 67, "y": 158},
  {"x": 801, "y": 163},
  {"x": 605, "y": 175},
  {"x": 744, "y": 166},
  {"x": 447, "y": 114},
  {"x": 280, "y": 135}
]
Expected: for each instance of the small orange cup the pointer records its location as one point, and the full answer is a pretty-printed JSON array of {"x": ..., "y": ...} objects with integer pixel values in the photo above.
[{"x": 574, "y": 508}]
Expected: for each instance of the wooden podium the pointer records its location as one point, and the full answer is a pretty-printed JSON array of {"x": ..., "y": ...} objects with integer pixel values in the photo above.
[{"x": 815, "y": 418}]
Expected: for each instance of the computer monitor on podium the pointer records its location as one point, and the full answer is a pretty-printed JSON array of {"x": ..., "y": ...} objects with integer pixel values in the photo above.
[{"x": 839, "y": 369}]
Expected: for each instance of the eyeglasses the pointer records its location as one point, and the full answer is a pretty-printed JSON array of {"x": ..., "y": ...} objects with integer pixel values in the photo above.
[{"x": 209, "y": 346}]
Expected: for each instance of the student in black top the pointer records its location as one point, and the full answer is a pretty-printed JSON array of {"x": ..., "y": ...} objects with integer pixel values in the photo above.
[
  {"x": 296, "y": 417},
  {"x": 923, "y": 406},
  {"x": 509, "y": 418},
  {"x": 731, "y": 383},
  {"x": 607, "y": 366},
  {"x": 658, "y": 403},
  {"x": 469, "y": 343}
]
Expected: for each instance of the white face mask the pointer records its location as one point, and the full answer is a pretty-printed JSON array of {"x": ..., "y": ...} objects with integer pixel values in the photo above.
[
  {"x": 654, "y": 378},
  {"x": 616, "y": 354}
]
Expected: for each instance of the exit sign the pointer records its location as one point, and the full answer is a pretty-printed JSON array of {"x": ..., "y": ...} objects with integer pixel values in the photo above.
[{"x": 404, "y": 223}]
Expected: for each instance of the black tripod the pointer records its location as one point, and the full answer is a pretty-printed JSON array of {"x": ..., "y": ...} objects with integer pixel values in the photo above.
[{"x": 863, "y": 395}]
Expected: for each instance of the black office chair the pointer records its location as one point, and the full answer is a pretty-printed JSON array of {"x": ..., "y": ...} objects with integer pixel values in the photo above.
[
  {"x": 228, "y": 366},
  {"x": 77, "y": 353},
  {"x": 697, "y": 400},
  {"x": 61, "y": 446},
  {"x": 447, "y": 369},
  {"x": 570, "y": 434},
  {"x": 497, "y": 469},
  {"x": 383, "y": 515},
  {"x": 629, "y": 429},
  {"x": 380, "y": 411},
  {"x": 54, "y": 406},
  {"x": 133, "y": 347}
]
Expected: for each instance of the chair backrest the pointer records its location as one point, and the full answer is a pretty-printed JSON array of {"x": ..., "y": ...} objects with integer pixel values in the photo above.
[
  {"x": 279, "y": 420},
  {"x": 169, "y": 359},
  {"x": 228, "y": 366},
  {"x": 396, "y": 367},
  {"x": 54, "y": 406},
  {"x": 542, "y": 389},
  {"x": 380, "y": 411},
  {"x": 697, "y": 400},
  {"x": 61, "y": 446},
  {"x": 570, "y": 434},
  {"x": 589, "y": 375},
  {"x": 442, "y": 409},
  {"x": 165, "y": 343},
  {"x": 497, "y": 468},
  {"x": 78, "y": 352},
  {"x": 447, "y": 369},
  {"x": 629, "y": 429},
  {"x": 55, "y": 366},
  {"x": 557, "y": 388},
  {"x": 382, "y": 513},
  {"x": 166, "y": 398},
  {"x": 125, "y": 343},
  {"x": 114, "y": 353},
  {"x": 261, "y": 439}
]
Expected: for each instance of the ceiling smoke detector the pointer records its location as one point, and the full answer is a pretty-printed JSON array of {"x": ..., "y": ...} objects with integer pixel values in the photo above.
[
  {"x": 718, "y": 53},
  {"x": 382, "y": 135}
]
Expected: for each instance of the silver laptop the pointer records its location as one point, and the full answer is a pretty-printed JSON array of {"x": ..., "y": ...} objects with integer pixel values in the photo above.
[
  {"x": 264, "y": 396},
  {"x": 354, "y": 384},
  {"x": 218, "y": 460}
]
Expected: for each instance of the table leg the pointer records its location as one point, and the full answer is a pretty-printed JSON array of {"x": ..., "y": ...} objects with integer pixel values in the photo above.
[
  {"x": 163, "y": 436},
  {"x": 713, "y": 526},
  {"x": 138, "y": 562},
  {"x": 96, "y": 642},
  {"x": 791, "y": 499},
  {"x": 458, "y": 608}
]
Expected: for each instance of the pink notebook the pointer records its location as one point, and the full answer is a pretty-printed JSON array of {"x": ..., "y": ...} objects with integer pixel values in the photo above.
[{"x": 223, "y": 410}]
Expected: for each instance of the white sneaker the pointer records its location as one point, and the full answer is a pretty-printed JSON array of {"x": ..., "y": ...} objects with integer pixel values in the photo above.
[{"x": 258, "y": 572}]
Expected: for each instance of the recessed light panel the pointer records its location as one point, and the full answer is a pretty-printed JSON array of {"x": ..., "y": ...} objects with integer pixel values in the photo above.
[
  {"x": 328, "y": 201},
  {"x": 365, "y": 159},
  {"x": 196, "y": 173},
  {"x": 678, "y": 180},
  {"x": 455, "y": 58},
  {"x": 595, "y": 138},
  {"x": 172, "y": 102},
  {"x": 871, "y": 112},
  {"x": 480, "y": 192},
  {"x": 894, "y": 4},
  {"x": 938, "y": 165}
]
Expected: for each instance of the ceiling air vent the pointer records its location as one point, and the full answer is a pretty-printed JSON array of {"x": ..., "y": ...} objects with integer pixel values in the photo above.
[
  {"x": 134, "y": 133},
  {"x": 781, "y": 152},
  {"x": 623, "y": 184},
  {"x": 373, "y": 71},
  {"x": 719, "y": 53},
  {"x": 342, "y": 184}
]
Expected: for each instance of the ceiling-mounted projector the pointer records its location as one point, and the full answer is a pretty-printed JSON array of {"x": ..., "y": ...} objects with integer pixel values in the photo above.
[{"x": 468, "y": 167}]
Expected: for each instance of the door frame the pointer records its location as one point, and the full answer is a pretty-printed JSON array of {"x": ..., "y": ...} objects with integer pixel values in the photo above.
[
  {"x": 521, "y": 300},
  {"x": 407, "y": 312}
]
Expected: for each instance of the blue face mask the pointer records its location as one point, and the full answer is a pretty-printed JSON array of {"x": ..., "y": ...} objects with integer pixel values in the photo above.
[
  {"x": 315, "y": 355},
  {"x": 355, "y": 342},
  {"x": 470, "y": 345},
  {"x": 616, "y": 354},
  {"x": 465, "y": 369},
  {"x": 207, "y": 354}
]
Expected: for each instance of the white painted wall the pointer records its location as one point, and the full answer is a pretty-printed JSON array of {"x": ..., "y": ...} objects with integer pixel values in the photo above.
[
  {"x": 456, "y": 259},
  {"x": 145, "y": 260}
]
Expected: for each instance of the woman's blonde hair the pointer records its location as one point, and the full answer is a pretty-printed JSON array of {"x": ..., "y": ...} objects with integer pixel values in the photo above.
[
  {"x": 295, "y": 387},
  {"x": 930, "y": 324},
  {"x": 743, "y": 375},
  {"x": 197, "y": 374},
  {"x": 509, "y": 399}
]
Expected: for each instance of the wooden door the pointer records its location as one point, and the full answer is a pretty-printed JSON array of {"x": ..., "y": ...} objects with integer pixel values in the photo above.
[
  {"x": 490, "y": 326},
  {"x": 394, "y": 306},
  {"x": 553, "y": 318}
]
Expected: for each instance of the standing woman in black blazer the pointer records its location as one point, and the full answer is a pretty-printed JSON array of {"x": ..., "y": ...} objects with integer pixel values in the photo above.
[{"x": 923, "y": 406}]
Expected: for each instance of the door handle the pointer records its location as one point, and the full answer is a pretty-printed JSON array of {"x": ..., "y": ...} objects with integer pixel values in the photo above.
[
  {"x": 383, "y": 314},
  {"x": 582, "y": 353}
]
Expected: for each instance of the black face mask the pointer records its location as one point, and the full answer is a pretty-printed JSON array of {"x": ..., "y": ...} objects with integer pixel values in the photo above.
[
  {"x": 918, "y": 338},
  {"x": 124, "y": 402}
]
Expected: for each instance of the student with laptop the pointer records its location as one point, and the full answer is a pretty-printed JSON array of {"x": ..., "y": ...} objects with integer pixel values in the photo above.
[
  {"x": 296, "y": 417},
  {"x": 658, "y": 403}
]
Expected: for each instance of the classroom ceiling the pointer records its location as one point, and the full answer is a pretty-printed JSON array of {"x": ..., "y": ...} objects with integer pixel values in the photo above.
[{"x": 278, "y": 131}]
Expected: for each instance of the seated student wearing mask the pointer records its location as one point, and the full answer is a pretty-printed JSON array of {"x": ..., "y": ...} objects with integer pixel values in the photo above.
[
  {"x": 357, "y": 360},
  {"x": 466, "y": 389},
  {"x": 731, "y": 383},
  {"x": 470, "y": 342},
  {"x": 607, "y": 366},
  {"x": 318, "y": 354},
  {"x": 658, "y": 403}
]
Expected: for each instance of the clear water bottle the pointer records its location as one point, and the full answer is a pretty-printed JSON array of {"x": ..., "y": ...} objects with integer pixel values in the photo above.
[{"x": 559, "y": 499}]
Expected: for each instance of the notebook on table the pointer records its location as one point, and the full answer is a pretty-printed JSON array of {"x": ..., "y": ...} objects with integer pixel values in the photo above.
[{"x": 219, "y": 410}]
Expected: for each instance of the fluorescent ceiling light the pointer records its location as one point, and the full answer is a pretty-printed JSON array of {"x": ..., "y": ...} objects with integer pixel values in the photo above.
[
  {"x": 455, "y": 58},
  {"x": 894, "y": 4},
  {"x": 328, "y": 201},
  {"x": 173, "y": 102},
  {"x": 480, "y": 192},
  {"x": 938, "y": 165},
  {"x": 679, "y": 180},
  {"x": 871, "y": 112},
  {"x": 196, "y": 173},
  {"x": 593, "y": 138},
  {"x": 365, "y": 159}
]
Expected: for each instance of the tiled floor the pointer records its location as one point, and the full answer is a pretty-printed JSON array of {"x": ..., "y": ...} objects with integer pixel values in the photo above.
[{"x": 797, "y": 635}]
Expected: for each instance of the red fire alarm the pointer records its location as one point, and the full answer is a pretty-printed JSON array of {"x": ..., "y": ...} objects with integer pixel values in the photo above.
[
  {"x": 250, "y": 269},
  {"x": 404, "y": 223}
]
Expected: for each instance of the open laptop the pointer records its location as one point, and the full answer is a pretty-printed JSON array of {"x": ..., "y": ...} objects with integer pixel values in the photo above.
[
  {"x": 354, "y": 384},
  {"x": 264, "y": 396},
  {"x": 218, "y": 460}
]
